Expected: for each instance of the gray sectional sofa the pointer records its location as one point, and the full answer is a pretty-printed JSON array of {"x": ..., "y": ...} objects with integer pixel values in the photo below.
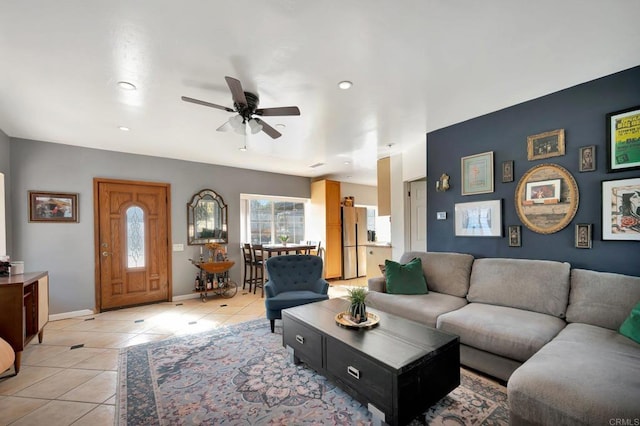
[{"x": 548, "y": 330}]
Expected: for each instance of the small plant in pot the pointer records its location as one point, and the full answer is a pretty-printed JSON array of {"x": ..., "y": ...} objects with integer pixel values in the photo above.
[
  {"x": 357, "y": 307},
  {"x": 283, "y": 239}
]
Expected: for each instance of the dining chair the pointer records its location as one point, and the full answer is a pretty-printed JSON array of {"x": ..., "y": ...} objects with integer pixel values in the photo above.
[
  {"x": 257, "y": 262},
  {"x": 248, "y": 266}
]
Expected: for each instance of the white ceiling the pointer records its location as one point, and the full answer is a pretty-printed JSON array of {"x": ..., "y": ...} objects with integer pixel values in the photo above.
[{"x": 416, "y": 65}]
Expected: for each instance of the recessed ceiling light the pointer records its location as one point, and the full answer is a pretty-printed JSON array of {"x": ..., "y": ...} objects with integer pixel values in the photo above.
[
  {"x": 347, "y": 162},
  {"x": 124, "y": 128},
  {"x": 281, "y": 126},
  {"x": 125, "y": 85},
  {"x": 344, "y": 85}
]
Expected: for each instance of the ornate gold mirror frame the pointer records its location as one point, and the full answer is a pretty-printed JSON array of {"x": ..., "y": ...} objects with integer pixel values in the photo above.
[{"x": 547, "y": 198}]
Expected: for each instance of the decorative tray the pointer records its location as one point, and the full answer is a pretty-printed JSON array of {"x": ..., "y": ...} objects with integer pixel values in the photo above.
[{"x": 343, "y": 320}]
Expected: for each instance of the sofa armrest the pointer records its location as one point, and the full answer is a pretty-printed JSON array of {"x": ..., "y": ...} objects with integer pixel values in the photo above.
[
  {"x": 321, "y": 286},
  {"x": 270, "y": 289},
  {"x": 377, "y": 284}
]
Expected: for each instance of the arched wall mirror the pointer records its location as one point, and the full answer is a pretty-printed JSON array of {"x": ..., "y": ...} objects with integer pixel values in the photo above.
[
  {"x": 547, "y": 198},
  {"x": 206, "y": 218}
]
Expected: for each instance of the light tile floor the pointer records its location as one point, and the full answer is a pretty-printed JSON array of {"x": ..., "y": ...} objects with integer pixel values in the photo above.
[{"x": 58, "y": 385}]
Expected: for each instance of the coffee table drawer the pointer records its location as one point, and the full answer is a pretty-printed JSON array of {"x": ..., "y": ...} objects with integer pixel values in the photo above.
[
  {"x": 369, "y": 379},
  {"x": 306, "y": 343}
]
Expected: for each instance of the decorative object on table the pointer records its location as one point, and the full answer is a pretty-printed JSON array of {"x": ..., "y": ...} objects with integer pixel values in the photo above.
[
  {"x": 477, "y": 173},
  {"x": 357, "y": 306},
  {"x": 621, "y": 209},
  {"x": 545, "y": 145},
  {"x": 623, "y": 140},
  {"x": 53, "y": 206},
  {"x": 206, "y": 218},
  {"x": 507, "y": 171},
  {"x": 587, "y": 159},
  {"x": 555, "y": 214},
  {"x": 515, "y": 236},
  {"x": 583, "y": 235},
  {"x": 257, "y": 380},
  {"x": 216, "y": 252},
  {"x": 4, "y": 268},
  {"x": 479, "y": 219},
  {"x": 543, "y": 192},
  {"x": 343, "y": 319},
  {"x": 442, "y": 184},
  {"x": 348, "y": 201},
  {"x": 283, "y": 239}
]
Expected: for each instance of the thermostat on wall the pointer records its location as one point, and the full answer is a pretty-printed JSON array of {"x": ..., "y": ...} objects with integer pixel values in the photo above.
[{"x": 441, "y": 216}]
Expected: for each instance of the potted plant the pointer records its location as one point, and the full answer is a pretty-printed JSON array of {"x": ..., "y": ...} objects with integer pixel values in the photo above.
[
  {"x": 283, "y": 239},
  {"x": 357, "y": 307}
]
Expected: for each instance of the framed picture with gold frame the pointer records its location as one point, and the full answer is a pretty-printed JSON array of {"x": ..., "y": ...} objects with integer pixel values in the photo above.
[{"x": 545, "y": 145}]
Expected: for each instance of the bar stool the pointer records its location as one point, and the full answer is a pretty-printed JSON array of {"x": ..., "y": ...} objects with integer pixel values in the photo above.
[
  {"x": 248, "y": 266},
  {"x": 257, "y": 263}
]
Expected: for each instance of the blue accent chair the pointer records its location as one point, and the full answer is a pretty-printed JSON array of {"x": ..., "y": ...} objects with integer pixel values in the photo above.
[{"x": 293, "y": 280}]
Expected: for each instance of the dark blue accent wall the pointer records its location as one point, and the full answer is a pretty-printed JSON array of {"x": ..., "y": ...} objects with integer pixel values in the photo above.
[{"x": 581, "y": 112}]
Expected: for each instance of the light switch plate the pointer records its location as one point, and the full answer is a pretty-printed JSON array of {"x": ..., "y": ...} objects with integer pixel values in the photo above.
[
  {"x": 178, "y": 247},
  {"x": 441, "y": 216}
]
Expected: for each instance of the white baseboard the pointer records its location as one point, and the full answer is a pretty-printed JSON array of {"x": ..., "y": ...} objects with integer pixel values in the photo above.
[
  {"x": 185, "y": 297},
  {"x": 72, "y": 314}
]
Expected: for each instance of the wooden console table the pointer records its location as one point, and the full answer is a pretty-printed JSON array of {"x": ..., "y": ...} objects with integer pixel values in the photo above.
[{"x": 24, "y": 309}]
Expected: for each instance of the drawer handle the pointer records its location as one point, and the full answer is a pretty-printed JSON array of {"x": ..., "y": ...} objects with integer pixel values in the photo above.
[
  {"x": 353, "y": 372},
  {"x": 300, "y": 339}
]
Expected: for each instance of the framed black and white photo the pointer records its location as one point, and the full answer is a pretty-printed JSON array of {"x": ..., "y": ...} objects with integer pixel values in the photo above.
[
  {"x": 507, "y": 171},
  {"x": 514, "y": 236},
  {"x": 583, "y": 235},
  {"x": 479, "y": 219},
  {"x": 587, "y": 159}
]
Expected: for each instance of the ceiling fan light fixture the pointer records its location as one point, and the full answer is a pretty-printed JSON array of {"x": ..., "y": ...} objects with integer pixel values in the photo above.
[
  {"x": 241, "y": 129},
  {"x": 255, "y": 126},
  {"x": 345, "y": 85},
  {"x": 236, "y": 121}
]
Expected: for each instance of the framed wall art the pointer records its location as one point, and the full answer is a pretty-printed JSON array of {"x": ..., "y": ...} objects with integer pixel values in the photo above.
[
  {"x": 477, "y": 173},
  {"x": 53, "y": 207},
  {"x": 545, "y": 145},
  {"x": 583, "y": 235},
  {"x": 544, "y": 191},
  {"x": 621, "y": 209},
  {"x": 587, "y": 159},
  {"x": 507, "y": 171},
  {"x": 623, "y": 140},
  {"x": 479, "y": 219},
  {"x": 514, "y": 235}
]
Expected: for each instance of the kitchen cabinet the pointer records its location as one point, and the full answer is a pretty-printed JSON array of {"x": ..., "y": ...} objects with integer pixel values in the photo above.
[
  {"x": 376, "y": 255},
  {"x": 326, "y": 224}
]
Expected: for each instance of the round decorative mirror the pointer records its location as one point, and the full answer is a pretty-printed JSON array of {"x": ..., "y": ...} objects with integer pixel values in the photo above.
[
  {"x": 546, "y": 198},
  {"x": 206, "y": 218}
]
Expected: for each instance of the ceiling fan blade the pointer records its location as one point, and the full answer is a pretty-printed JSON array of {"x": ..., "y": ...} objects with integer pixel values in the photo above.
[
  {"x": 236, "y": 90},
  {"x": 209, "y": 104},
  {"x": 226, "y": 127},
  {"x": 268, "y": 129},
  {"x": 290, "y": 110}
]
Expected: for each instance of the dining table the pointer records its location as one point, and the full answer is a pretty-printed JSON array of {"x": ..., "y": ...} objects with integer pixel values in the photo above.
[{"x": 289, "y": 248}]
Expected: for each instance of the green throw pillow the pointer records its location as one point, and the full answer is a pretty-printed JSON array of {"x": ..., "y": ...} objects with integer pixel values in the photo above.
[
  {"x": 405, "y": 279},
  {"x": 631, "y": 326}
]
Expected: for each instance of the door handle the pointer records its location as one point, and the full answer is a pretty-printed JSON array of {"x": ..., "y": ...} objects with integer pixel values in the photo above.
[{"x": 105, "y": 253}]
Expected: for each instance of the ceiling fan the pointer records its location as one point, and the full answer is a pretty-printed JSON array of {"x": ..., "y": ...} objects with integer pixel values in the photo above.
[{"x": 246, "y": 105}]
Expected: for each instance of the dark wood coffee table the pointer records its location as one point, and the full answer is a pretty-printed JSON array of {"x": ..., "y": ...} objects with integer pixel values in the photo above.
[{"x": 398, "y": 369}]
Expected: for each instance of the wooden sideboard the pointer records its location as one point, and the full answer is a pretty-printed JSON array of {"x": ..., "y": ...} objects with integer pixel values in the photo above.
[{"x": 24, "y": 309}]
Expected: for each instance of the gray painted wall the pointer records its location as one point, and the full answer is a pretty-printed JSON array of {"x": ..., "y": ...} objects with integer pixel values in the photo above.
[
  {"x": 67, "y": 251},
  {"x": 5, "y": 167}
]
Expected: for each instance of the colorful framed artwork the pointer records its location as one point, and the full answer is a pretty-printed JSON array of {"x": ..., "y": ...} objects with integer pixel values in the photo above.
[
  {"x": 507, "y": 171},
  {"x": 621, "y": 209},
  {"x": 544, "y": 191},
  {"x": 477, "y": 173},
  {"x": 515, "y": 232},
  {"x": 587, "y": 159},
  {"x": 583, "y": 235},
  {"x": 53, "y": 207},
  {"x": 623, "y": 140},
  {"x": 545, "y": 145},
  {"x": 479, "y": 219}
]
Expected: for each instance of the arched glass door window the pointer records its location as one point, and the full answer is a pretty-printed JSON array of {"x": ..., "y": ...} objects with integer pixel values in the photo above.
[{"x": 135, "y": 238}]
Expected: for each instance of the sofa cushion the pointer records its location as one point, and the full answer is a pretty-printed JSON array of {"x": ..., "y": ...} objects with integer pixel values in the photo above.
[
  {"x": 509, "y": 332},
  {"x": 631, "y": 326},
  {"x": 405, "y": 278},
  {"x": 601, "y": 298},
  {"x": 422, "y": 308},
  {"x": 536, "y": 285},
  {"x": 586, "y": 375},
  {"x": 445, "y": 272}
]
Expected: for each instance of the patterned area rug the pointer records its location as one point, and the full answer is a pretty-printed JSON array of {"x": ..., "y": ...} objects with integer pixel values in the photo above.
[{"x": 242, "y": 375}]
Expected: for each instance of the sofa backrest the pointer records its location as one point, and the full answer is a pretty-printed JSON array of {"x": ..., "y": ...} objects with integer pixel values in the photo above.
[
  {"x": 601, "y": 298},
  {"x": 445, "y": 272},
  {"x": 535, "y": 285}
]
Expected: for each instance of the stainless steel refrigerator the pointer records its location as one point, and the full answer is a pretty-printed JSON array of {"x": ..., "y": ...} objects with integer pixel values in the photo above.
[{"x": 354, "y": 240}]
